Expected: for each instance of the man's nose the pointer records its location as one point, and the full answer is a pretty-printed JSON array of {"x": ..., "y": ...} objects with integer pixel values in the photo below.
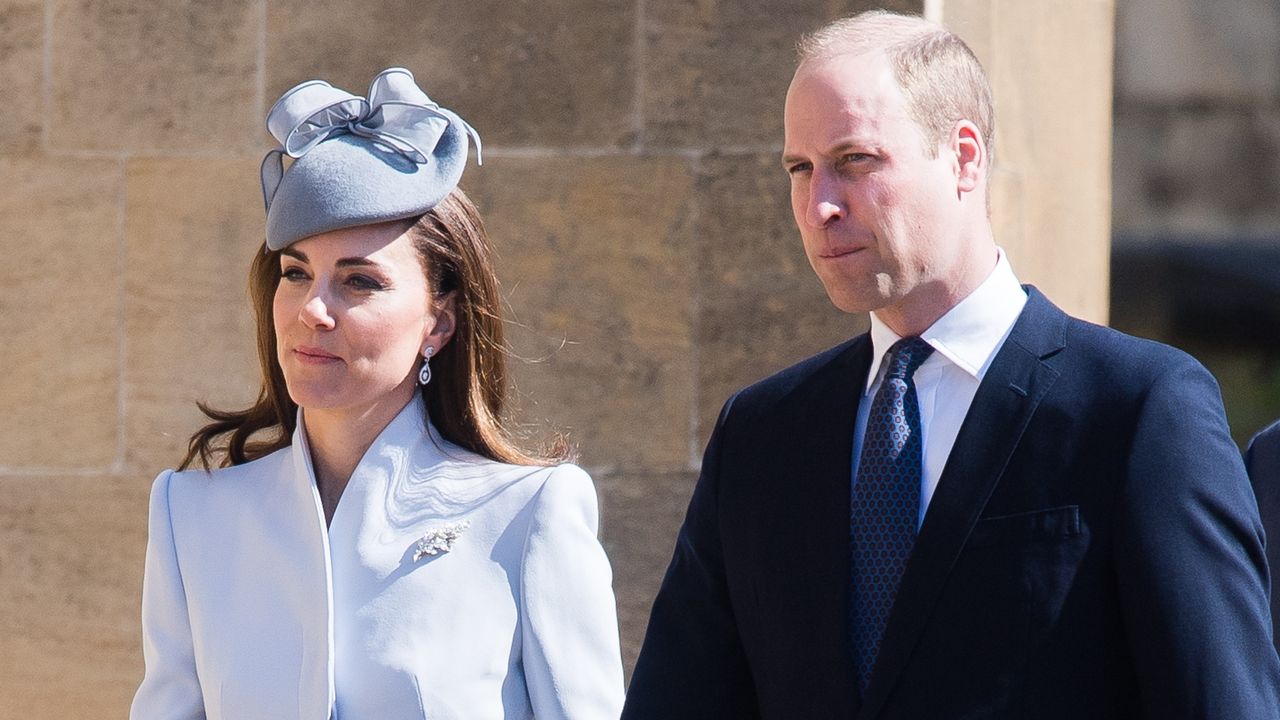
[
  {"x": 824, "y": 206},
  {"x": 315, "y": 313}
]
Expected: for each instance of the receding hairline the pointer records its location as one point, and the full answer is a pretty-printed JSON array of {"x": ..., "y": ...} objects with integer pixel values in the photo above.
[
  {"x": 870, "y": 31},
  {"x": 941, "y": 76}
]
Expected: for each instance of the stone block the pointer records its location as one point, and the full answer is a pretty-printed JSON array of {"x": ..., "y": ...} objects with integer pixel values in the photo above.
[
  {"x": 594, "y": 257},
  {"x": 1053, "y": 114},
  {"x": 21, "y": 57},
  {"x": 640, "y": 517},
  {"x": 551, "y": 73},
  {"x": 71, "y": 556},
  {"x": 761, "y": 308},
  {"x": 60, "y": 313},
  {"x": 715, "y": 72},
  {"x": 132, "y": 76},
  {"x": 1229, "y": 185},
  {"x": 1179, "y": 51},
  {"x": 192, "y": 229}
]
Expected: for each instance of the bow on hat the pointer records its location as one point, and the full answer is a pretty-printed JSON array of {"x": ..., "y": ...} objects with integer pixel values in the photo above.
[{"x": 397, "y": 114}]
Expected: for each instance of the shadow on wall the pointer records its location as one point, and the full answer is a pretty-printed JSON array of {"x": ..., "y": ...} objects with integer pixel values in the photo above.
[{"x": 1217, "y": 299}]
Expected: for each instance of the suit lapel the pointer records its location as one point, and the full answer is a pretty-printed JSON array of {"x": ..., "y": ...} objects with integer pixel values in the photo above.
[
  {"x": 811, "y": 514},
  {"x": 1004, "y": 404}
]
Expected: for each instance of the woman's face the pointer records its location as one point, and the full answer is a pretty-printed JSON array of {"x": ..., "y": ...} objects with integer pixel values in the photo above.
[{"x": 353, "y": 314}]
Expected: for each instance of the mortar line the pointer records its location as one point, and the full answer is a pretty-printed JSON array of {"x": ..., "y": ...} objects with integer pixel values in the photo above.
[
  {"x": 695, "y": 316},
  {"x": 640, "y": 66},
  {"x": 260, "y": 60},
  {"x": 46, "y": 74},
  {"x": 44, "y": 472},
  {"x": 122, "y": 248}
]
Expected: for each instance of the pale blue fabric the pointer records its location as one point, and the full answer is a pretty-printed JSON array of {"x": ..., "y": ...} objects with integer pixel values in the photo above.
[{"x": 358, "y": 161}]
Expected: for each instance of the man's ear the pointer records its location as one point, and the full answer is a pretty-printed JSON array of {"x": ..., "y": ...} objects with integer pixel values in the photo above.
[
  {"x": 445, "y": 311},
  {"x": 971, "y": 156}
]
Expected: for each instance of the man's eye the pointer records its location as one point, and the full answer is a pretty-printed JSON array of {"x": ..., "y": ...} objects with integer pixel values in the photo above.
[{"x": 799, "y": 168}]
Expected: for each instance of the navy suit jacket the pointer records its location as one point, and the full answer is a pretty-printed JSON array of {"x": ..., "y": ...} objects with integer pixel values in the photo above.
[
  {"x": 1093, "y": 550},
  {"x": 1263, "y": 462}
]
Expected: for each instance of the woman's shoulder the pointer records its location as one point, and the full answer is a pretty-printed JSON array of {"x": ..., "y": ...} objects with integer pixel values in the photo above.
[
  {"x": 257, "y": 473},
  {"x": 519, "y": 486},
  {"x": 560, "y": 479},
  {"x": 565, "y": 493}
]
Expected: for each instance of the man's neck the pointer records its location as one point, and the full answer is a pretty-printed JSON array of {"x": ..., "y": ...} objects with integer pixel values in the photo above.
[{"x": 921, "y": 309}]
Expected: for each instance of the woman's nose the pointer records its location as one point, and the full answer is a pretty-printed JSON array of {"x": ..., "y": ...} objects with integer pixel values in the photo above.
[{"x": 315, "y": 314}]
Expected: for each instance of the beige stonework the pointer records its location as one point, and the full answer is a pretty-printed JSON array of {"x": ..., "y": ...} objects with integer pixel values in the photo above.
[
  {"x": 21, "y": 53},
  {"x": 1051, "y": 187},
  {"x": 716, "y": 71},
  {"x": 545, "y": 74},
  {"x": 594, "y": 256},
  {"x": 60, "y": 314},
  {"x": 131, "y": 76},
  {"x": 71, "y": 552},
  {"x": 640, "y": 514},
  {"x": 761, "y": 308},
  {"x": 192, "y": 229}
]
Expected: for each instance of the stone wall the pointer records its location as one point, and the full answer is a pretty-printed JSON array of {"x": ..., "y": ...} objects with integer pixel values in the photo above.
[
  {"x": 1197, "y": 190},
  {"x": 631, "y": 184}
]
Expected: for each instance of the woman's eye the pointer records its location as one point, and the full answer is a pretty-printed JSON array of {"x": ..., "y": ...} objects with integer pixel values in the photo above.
[
  {"x": 293, "y": 274},
  {"x": 364, "y": 282}
]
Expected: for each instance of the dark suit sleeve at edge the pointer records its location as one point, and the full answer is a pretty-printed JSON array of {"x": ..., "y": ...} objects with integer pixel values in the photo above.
[
  {"x": 1189, "y": 557},
  {"x": 692, "y": 663}
]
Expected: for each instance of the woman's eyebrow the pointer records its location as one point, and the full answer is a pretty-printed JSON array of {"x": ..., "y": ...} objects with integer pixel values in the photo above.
[
  {"x": 357, "y": 262},
  {"x": 344, "y": 262}
]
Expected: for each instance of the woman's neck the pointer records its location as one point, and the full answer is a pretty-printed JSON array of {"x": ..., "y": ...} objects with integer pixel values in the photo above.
[{"x": 338, "y": 440}]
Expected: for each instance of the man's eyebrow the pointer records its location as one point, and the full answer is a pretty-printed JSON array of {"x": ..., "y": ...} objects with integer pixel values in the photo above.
[{"x": 790, "y": 159}]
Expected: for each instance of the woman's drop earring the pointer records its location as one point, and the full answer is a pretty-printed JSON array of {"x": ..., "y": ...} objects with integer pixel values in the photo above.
[{"x": 424, "y": 375}]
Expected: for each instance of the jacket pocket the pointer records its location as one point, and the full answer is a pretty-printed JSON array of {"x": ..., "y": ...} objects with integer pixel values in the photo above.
[{"x": 1047, "y": 525}]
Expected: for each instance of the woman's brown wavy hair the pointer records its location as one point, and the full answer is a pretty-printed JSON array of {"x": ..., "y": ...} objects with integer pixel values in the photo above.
[{"x": 466, "y": 396}]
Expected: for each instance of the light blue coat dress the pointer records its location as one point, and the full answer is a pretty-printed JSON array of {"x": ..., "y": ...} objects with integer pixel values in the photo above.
[{"x": 250, "y": 609}]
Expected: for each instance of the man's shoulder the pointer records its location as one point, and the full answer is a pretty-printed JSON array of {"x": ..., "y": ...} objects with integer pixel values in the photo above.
[
  {"x": 1263, "y": 454},
  {"x": 1124, "y": 350},
  {"x": 784, "y": 382},
  {"x": 1101, "y": 350}
]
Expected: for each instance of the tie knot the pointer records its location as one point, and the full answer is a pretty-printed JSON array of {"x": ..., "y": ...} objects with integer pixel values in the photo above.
[{"x": 906, "y": 356}]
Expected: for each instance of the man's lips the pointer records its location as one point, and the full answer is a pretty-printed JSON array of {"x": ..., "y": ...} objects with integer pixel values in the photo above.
[{"x": 839, "y": 252}]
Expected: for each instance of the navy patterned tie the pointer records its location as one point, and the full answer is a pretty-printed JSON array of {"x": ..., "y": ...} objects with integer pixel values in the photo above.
[{"x": 886, "y": 501}]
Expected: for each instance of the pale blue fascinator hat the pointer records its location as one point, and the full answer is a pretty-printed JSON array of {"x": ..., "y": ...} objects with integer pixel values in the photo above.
[{"x": 358, "y": 160}]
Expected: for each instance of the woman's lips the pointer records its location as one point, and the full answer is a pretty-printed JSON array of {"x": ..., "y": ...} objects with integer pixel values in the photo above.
[{"x": 315, "y": 356}]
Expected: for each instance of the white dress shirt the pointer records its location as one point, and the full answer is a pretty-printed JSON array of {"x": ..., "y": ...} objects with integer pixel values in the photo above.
[{"x": 964, "y": 341}]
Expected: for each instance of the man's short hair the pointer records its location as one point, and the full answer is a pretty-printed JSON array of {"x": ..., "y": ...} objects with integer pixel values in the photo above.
[{"x": 941, "y": 78}]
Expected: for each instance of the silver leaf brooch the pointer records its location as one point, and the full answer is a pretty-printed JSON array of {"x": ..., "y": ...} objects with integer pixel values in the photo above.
[{"x": 439, "y": 540}]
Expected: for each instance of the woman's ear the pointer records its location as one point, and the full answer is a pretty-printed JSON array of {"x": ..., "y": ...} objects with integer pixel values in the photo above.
[{"x": 444, "y": 321}]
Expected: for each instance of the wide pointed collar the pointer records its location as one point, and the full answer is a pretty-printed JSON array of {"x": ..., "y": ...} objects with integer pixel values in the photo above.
[{"x": 409, "y": 440}]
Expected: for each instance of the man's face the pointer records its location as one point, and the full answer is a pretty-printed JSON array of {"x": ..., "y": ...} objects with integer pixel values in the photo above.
[{"x": 875, "y": 210}]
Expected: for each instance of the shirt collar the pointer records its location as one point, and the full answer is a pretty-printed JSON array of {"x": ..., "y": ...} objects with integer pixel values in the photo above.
[{"x": 970, "y": 333}]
